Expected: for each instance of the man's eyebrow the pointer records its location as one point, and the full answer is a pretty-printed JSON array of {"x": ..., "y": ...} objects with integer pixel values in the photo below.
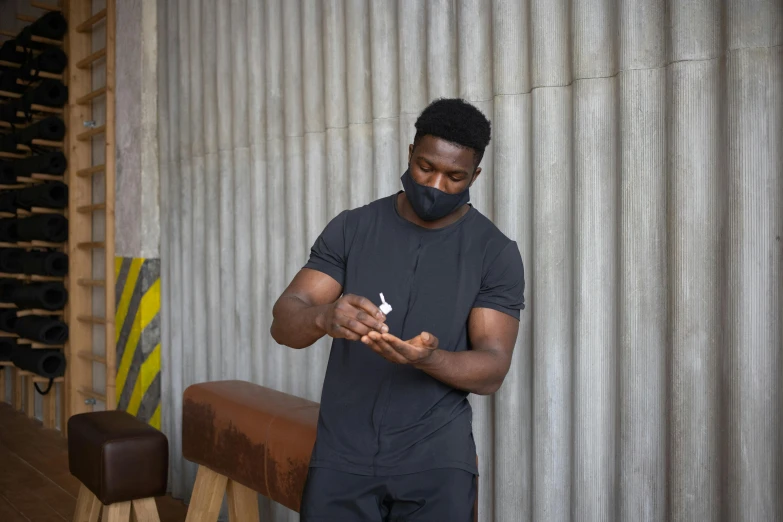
[{"x": 448, "y": 171}]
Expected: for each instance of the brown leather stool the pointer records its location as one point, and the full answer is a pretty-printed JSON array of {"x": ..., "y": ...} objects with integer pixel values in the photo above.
[{"x": 121, "y": 462}]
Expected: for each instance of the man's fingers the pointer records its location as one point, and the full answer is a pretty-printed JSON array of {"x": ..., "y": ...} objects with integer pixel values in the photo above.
[
  {"x": 341, "y": 331},
  {"x": 384, "y": 350},
  {"x": 366, "y": 305},
  {"x": 397, "y": 346},
  {"x": 370, "y": 321},
  {"x": 429, "y": 339}
]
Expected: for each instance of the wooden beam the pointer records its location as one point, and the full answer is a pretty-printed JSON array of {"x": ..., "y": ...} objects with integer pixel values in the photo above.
[
  {"x": 109, "y": 295},
  {"x": 78, "y": 371}
]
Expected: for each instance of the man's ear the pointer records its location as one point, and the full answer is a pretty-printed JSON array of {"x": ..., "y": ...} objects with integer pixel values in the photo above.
[
  {"x": 475, "y": 176},
  {"x": 410, "y": 153}
]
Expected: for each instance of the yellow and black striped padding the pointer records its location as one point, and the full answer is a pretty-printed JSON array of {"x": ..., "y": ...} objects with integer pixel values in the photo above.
[{"x": 138, "y": 337}]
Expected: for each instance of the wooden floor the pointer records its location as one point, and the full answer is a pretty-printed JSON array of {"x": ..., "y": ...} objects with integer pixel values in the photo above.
[{"x": 35, "y": 485}]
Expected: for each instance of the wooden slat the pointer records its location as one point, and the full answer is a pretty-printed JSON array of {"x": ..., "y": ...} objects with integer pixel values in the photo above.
[
  {"x": 8, "y": 33},
  {"x": 40, "y": 108},
  {"x": 47, "y": 41},
  {"x": 12, "y": 155},
  {"x": 26, "y": 18},
  {"x": 38, "y": 75},
  {"x": 45, "y": 244},
  {"x": 91, "y": 319},
  {"x": 109, "y": 197},
  {"x": 10, "y": 94},
  {"x": 42, "y": 143},
  {"x": 94, "y": 57},
  {"x": 91, "y": 282},
  {"x": 40, "y": 346},
  {"x": 89, "y": 245},
  {"x": 46, "y": 177},
  {"x": 92, "y": 394},
  {"x": 87, "y": 356},
  {"x": 38, "y": 311},
  {"x": 30, "y": 405},
  {"x": 86, "y": 26},
  {"x": 36, "y": 277},
  {"x": 23, "y": 49},
  {"x": 86, "y": 135},
  {"x": 90, "y": 171},
  {"x": 91, "y": 96},
  {"x": 18, "y": 384},
  {"x": 87, "y": 209},
  {"x": 10, "y": 64},
  {"x": 42, "y": 210},
  {"x": 50, "y": 407},
  {"x": 44, "y": 74}
]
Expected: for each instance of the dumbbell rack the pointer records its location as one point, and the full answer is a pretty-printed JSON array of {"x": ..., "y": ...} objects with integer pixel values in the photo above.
[{"x": 89, "y": 150}]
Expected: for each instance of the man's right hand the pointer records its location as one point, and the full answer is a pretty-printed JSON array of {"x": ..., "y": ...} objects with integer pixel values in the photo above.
[{"x": 351, "y": 317}]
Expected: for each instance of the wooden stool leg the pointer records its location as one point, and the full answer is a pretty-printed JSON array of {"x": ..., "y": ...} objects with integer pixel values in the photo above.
[
  {"x": 242, "y": 503},
  {"x": 117, "y": 512},
  {"x": 145, "y": 510},
  {"x": 88, "y": 507},
  {"x": 207, "y": 496}
]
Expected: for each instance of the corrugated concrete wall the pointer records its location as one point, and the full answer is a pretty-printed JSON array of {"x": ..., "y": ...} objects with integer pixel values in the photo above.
[{"x": 637, "y": 159}]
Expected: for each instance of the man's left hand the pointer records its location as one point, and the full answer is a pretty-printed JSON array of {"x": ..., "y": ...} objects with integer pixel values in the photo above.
[{"x": 413, "y": 351}]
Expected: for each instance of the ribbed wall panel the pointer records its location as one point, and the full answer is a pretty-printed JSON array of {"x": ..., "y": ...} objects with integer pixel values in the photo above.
[
  {"x": 641, "y": 359},
  {"x": 595, "y": 243},
  {"x": 636, "y": 160}
]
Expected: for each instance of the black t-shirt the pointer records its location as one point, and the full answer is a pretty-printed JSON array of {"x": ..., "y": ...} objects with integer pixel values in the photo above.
[{"x": 382, "y": 418}]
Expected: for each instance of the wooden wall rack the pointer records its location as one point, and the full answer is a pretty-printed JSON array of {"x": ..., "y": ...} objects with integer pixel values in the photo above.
[{"x": 89, "y": 149}]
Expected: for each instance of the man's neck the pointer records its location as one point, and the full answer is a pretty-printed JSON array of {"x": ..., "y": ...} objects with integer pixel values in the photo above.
[{"x": 406, "y": 211}]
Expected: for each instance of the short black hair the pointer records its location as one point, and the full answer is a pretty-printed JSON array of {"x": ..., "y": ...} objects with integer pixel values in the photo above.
[{"x": 456, "y": 121}]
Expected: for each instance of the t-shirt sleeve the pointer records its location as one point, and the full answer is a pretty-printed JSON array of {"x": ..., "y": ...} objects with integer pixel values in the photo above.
[
  {"x": 328, "y": 253},
  {"x": 503, "y": 283}
]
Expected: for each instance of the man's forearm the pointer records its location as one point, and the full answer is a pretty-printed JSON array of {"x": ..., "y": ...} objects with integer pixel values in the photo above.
[
  {"x": 479, "y": 372},
  {"x": 295, "y": 323}
]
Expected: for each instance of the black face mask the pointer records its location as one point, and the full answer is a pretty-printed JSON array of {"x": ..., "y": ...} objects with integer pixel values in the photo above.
[{"x": 430, "y": 203}]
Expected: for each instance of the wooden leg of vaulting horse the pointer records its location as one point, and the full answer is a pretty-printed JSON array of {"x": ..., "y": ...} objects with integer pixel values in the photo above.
[
  {"x": 242, "y": 503},
  {"x": 88, "y": 507},
  {"x": 118, "y": 512},
  {"x": 145, "y": 510},
  {"x": 207, "y": 496}
]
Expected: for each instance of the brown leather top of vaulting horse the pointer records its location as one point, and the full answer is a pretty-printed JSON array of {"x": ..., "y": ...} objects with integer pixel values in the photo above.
[{"x": 257, "y": 436}]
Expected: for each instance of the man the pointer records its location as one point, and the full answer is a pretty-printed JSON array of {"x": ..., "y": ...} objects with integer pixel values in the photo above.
[{"x": 394, "y": 438}]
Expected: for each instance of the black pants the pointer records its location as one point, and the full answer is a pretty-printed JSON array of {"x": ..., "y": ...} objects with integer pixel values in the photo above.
[{"x": 439, "y": 495}]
